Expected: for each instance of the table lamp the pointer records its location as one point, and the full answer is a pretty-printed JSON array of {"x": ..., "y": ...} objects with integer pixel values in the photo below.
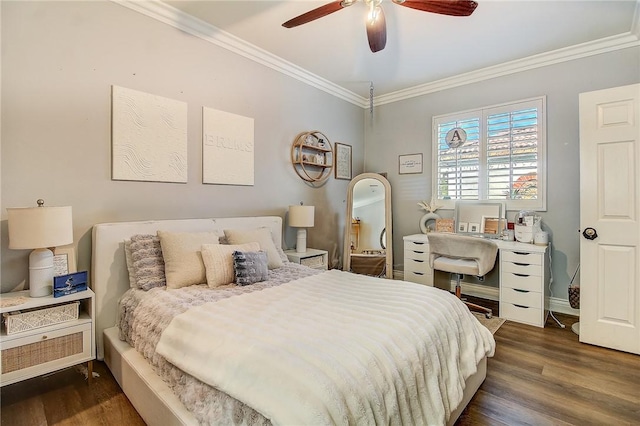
[
  {"x": 39, "y": 228},
  {"x": 301, "y": 217}
]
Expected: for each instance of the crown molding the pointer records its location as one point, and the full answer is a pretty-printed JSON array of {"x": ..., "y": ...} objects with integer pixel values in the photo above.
[
  {"x": 169, "y": 15},
  {"x": 597, "y": 47}
]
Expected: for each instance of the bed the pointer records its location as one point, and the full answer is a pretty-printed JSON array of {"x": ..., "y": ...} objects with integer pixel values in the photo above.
[{"x": 156, "y": 401}]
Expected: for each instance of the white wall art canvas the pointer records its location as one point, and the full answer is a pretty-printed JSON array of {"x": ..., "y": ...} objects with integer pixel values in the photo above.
[
  {"x": 227, "y": 148},
  {"x": 149, "y": 137}
]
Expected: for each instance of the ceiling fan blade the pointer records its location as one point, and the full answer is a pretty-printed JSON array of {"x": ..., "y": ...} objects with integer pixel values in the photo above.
[
  {"x": 376, "y": 30},
  {"x": 443, "y": 7},
  {"x": 316, "y": 13}
]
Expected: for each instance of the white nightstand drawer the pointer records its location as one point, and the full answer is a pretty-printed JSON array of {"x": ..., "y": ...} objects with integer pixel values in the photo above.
[
  {"x": 36, "y": 354},
  {"x": 521, "y": 282},
  {"x": 414, "y": 276},
  {"x": 317, "y": 262},
  {"x": 522, "y": 269},
  {"x": 526, "y": 298},
  {"x": 522, "y": 314},
  {"x": 521, "y": 257}
]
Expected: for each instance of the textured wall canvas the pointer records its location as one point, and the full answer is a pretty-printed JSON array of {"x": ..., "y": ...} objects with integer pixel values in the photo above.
[
  {"x": 227, "y": 148},
  {"x": 149, "y": 137}
]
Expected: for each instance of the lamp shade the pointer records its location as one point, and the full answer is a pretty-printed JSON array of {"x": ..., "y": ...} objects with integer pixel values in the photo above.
[
  {"x": 301, "y": 216},
  {"x": 40, "y": 227}
]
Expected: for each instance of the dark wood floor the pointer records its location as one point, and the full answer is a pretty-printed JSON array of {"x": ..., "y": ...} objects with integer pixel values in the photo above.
[{"x": 537, "y": 377}]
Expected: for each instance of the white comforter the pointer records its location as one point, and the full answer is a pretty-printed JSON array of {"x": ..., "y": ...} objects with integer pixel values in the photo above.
[{"x": 334, "y": 348}]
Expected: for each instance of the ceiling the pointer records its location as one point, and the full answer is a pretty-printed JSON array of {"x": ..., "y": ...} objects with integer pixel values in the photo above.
[{"x": 421, "y": 47}]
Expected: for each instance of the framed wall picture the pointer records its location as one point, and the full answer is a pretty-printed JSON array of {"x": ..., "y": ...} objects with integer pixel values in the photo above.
[
  {"x": 474, "y": 227},
  {"x": 463, "y": 226},
  {"x": 343, "y": 161},
  {"x": 410, "y": 164}
]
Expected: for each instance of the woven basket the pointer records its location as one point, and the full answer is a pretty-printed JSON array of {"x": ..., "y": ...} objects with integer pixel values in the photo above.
[
  {"x": 574, "y": 297},
  {"x": 18, "y": 322}
]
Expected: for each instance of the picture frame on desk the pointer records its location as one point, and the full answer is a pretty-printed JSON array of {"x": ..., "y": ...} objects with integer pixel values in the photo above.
[
  {"x": 491, "y": 225},
  {"x": 474, "y": 227}
]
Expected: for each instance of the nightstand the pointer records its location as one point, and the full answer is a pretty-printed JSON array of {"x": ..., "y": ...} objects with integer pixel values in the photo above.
[
  {"x": 42, "y": 350},
  {"x": 316, "y": 259}
]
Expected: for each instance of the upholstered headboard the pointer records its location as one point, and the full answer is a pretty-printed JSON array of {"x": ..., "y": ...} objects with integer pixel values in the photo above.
[{"x": 109, "y": 275}]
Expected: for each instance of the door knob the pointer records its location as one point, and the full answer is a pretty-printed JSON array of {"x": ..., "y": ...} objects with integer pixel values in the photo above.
[{"x": 590, "y": 234}]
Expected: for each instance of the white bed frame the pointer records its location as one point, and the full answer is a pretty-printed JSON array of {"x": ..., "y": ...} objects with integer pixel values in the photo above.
[{"x": 148, "y": 393}]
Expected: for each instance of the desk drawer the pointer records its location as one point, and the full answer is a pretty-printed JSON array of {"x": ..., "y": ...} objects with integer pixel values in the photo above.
[
  {"x": 414, "y": 276},
  {"x": 521, "y": 268},
  {"x": 417, "y": 254},
  {"x": 521, "y": 257},
  {"x": 530, "y": 299},
  {"x": 521, "y": 282},
  {"x": 532, "y": 316},
  {"x": 417, "y": 246}
]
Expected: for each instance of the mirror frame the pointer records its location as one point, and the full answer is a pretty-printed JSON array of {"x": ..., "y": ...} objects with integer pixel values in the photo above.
[{"x": 346, "y": 249}]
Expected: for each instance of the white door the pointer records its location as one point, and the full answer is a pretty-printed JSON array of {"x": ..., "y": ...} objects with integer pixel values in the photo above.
[{"x": 609, "y": 209}]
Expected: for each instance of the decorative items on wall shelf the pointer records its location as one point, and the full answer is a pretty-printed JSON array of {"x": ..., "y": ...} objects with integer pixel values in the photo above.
[{"x": 312, "y": 156}]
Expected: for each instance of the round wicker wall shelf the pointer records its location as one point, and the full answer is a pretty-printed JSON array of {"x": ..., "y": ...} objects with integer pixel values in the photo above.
[{"x": 312, "y": 156}]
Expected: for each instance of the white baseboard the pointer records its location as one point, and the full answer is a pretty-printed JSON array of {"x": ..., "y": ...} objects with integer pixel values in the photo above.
[{"x": 562, "y": 306}]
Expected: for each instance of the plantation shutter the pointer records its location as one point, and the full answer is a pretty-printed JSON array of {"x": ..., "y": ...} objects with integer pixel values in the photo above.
[
  {"x": 503, "y": 157},
  {"x": 512, "y": 153},
  {"x": 459, "y": 168}
]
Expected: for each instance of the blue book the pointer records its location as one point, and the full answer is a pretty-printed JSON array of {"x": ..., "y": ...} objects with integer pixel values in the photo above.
[{"x": 69, "y": 284}]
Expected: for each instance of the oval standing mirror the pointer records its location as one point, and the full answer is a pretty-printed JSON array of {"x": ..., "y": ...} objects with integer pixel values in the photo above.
[{"x": 368, "y": 239}]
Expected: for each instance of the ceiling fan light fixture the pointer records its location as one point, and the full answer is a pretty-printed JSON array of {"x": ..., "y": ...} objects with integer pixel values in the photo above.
[{"x": 374, "y": 14}]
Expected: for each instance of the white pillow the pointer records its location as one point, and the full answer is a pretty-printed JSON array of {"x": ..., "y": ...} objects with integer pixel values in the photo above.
[
  {"x": 218, "y": 261},
  {"x": 260, "y": 235},
  {"x": 183, "y": 264}
]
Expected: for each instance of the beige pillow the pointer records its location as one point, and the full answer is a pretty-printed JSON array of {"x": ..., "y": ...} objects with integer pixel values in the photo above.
[
  {"x": 260, "y": 235},
  {"x": 183, "y": 264},
  {"x": 218, "y": 261}
]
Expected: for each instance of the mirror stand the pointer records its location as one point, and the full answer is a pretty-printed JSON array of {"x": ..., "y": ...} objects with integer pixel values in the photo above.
[{"x": 368, "y": 237}]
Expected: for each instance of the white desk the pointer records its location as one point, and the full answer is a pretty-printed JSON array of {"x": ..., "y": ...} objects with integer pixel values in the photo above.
[{"x": 523, "y": 279}]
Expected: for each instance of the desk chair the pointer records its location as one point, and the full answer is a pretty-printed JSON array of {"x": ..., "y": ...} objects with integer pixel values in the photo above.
[{"x": 461, "y": 255}]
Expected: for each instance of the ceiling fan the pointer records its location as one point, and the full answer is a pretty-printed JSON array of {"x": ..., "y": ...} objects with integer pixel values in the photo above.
[{"x": 376, "y": 27}]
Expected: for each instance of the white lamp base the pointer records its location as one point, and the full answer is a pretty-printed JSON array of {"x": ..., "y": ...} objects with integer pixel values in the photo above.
[
  {"x": 301, "y": 240},
  {"x": 40, "y": 273}
]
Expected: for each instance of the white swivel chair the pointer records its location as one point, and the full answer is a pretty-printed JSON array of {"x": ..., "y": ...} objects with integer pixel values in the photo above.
[{"x": 459, "y": 254}]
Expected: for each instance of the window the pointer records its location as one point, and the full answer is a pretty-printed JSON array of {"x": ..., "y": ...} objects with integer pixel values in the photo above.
[{"x": 503, "y": 157}]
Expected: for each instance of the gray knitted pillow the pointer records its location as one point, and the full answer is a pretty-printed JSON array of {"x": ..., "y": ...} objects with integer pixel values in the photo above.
[
  {"x": 148, "y": 264},
  {"x": 250, "y": 266}
]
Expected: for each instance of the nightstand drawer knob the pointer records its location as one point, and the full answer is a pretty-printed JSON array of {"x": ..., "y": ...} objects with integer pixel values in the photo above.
[{"x": 44, "y": 337}]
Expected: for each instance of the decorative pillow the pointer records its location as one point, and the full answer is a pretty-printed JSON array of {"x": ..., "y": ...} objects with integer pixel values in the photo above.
[
  {"x": 147, "y": 262},
  {"x": 218, "y": 261},
  {"x": 260, "y": 235},
  {"x": 250, "y": 266},
  {"x": 183, "y": 264},
  {"x": 129, "y": 260}
]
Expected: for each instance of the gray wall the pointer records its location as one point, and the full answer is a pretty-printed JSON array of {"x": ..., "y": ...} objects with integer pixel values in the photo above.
[
  {"x": 59, "y": 61},
  {"x": 405, "y": 128}
]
